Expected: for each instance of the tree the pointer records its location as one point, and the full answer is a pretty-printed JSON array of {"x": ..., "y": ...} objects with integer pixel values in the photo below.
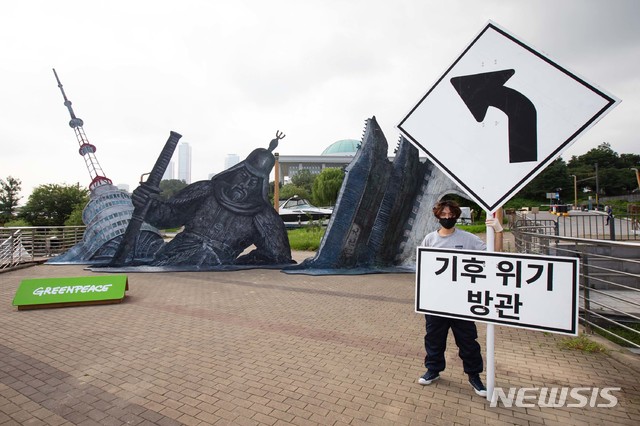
[
  {"x": 603, "y": 155},
  {"x": 169, "y": 187},
  {"x": 614, "y": 176},
  {"x": 555, "y": 178},
  {"x": 303, "y": 179},
  {"x": 52, "y": 204},
  {"x": 289, "y": 190},
  {"x": 75, "y": 218},
  {"x": 326, "y": 186},
  {"x": 9, "y": 198}
]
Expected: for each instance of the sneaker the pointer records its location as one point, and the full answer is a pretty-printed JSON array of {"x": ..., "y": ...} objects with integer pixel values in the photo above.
[
  {"x": 429, "y": 377},
  {"x": 477, "y": 385}
]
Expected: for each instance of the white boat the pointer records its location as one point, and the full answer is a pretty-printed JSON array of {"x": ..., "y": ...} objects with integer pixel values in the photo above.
[{"x": 298, "y": 211}]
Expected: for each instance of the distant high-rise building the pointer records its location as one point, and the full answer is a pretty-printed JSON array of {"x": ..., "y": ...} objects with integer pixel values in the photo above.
[
  {"x": 231, "y": 160},
  {"x": 169, "y": 173},
  {"x": 184, "y": 162},
  {"x": 123, "y": 187}
]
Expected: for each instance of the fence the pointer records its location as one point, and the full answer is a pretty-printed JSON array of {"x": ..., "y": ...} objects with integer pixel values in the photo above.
[
  {"x": 609, "y": 277},
  {"x": 32, "y": 243}
]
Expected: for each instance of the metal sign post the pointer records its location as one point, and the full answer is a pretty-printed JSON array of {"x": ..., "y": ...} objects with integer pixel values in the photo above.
[{"x": 490, "y": 349}]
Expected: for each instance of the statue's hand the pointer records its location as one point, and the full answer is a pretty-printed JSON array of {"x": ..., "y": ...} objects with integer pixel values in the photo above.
[{"x": 141, "y": 196}]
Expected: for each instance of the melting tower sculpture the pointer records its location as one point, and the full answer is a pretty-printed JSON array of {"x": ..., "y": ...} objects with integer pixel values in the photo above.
[
  {"x": 87, "y": 150},
  {"x": 108, "y": 211}
]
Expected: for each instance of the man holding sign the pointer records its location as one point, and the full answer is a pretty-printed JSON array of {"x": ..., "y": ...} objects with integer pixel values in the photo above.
[{"x": 465, "y": 333}]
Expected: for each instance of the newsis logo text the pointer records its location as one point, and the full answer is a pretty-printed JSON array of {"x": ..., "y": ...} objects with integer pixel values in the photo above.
[{"x": 555, "y": 397}]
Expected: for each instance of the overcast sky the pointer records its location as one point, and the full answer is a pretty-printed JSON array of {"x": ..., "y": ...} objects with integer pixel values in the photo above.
[{"x": 228, "y": 74}]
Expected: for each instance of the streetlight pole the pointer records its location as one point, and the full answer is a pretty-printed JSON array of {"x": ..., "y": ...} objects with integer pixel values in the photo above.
[
  {"x": 575, "y": 192},
  {"x": 276, "y": 187},
  {"x": 637, "y": 176}
]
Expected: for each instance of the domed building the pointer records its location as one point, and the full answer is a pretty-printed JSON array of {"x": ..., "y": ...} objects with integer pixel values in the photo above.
[
  {"x": 338, "y": 154},
  {"x": 342, "y": 147}
]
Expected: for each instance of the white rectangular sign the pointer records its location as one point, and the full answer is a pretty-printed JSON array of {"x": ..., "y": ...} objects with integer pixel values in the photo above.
[{"x": 520, "y": 290}]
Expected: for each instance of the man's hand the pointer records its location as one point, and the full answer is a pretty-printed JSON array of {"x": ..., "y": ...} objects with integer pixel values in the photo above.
[{"x": 494, "y": 223}]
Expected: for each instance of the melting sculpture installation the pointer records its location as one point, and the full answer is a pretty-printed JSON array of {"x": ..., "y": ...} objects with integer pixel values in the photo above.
[
  {"x": 382, "y": 213},
  {"x": 383, "y": 210},
  {"x": 107, "y": 213},
  {"x": 222, "y": 217}
]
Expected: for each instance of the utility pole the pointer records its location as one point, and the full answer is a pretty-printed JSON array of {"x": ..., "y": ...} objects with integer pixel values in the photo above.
[{"x": 575, "y": 192}]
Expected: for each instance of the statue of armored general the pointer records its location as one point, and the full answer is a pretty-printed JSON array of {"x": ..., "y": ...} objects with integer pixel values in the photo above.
[{"x": 222, "y": 217}]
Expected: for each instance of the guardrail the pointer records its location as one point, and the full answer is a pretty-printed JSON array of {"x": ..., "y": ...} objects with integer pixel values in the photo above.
[
  {"x": 609, "y": 278},
  {"x": 32, "y": 243}
]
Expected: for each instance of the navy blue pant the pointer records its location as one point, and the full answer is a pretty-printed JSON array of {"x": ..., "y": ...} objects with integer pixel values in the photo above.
[{"x": 465, "y": 334}]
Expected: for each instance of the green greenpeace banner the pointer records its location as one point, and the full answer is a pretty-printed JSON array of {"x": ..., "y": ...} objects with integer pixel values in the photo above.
[{"x": 57, "y": 292}]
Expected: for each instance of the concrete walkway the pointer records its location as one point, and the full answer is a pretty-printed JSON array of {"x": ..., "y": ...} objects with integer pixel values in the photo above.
[{"x": 264, "y": 347}]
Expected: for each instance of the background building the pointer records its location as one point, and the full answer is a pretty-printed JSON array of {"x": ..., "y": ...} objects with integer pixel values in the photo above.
[
  {"x": 170, "y": 172},
  {"x": 184, "y": 162},
  {"x": 231, "y": 160},
  {"x": 338, "y": 155}
]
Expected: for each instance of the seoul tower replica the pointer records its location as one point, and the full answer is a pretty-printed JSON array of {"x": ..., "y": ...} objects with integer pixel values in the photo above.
[{"x": 108, "y": 211}]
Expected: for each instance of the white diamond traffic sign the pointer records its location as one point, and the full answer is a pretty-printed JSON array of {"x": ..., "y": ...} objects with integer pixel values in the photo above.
[{"x": 538, "y": 110}]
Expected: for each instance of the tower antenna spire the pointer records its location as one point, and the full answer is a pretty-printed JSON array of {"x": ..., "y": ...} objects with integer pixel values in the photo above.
[{"x": 86, "y": 150}]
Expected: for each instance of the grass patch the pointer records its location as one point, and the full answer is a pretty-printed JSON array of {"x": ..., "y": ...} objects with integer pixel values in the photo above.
[
  {"x": 306, "y": 238},
  {"x": 474, "y": 229},
  {"x": 581, "y": 343},
  {"x": 171, "y": 230},
  {"x": 623, "y": 332}
]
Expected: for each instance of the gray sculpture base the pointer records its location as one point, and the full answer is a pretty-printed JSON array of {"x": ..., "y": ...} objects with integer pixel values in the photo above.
[
  {"x": 181, "y": 268},
  {"x": 352, "y": 271}
]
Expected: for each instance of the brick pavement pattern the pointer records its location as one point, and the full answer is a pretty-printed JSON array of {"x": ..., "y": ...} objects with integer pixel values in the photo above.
[{"x": 260, "y": 347}]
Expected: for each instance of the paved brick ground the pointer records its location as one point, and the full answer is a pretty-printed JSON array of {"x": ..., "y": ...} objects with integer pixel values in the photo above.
[{"x": 263, "y": 347}]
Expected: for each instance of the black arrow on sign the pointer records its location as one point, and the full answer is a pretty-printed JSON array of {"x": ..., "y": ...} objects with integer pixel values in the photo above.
[{"x": 480, "y": 91}]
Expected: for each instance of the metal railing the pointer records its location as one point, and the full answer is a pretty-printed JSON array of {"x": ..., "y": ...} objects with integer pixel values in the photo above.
[
  {"x": 609, "y": 277},
  {"x": 589, "y": 226},
  {"x": 13, "y": 252},
  {"x": 32, "y": 243},
  {"x": 597, "y": 226}
]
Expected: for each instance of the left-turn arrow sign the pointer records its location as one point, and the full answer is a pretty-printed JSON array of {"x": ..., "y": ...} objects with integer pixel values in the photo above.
[{"x": 480, "y": 91}]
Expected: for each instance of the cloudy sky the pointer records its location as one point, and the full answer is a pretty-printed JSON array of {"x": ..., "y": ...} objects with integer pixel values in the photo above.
[{"x": 227, "y": 74}]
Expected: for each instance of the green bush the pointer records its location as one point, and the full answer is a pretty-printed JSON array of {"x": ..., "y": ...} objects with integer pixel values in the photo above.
[
  {"x": 518, "y": 203},
  {"x": 16, "y": 223}
]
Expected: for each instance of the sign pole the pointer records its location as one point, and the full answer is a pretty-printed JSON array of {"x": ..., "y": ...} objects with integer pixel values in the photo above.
[{"x": 490, "y": 327}]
